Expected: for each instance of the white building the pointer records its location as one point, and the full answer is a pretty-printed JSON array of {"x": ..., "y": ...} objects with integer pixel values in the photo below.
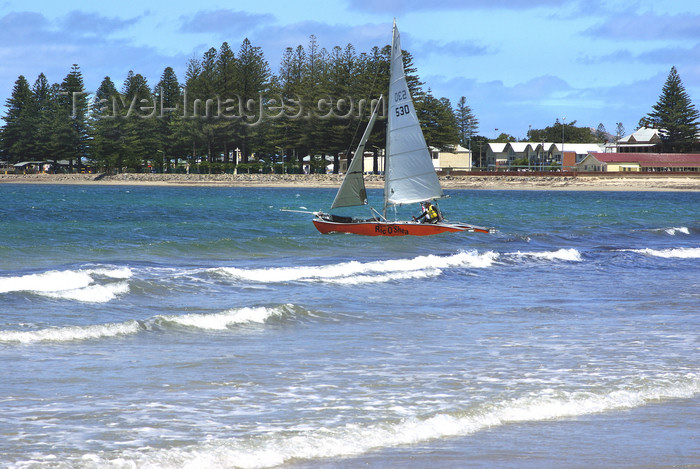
[
  {"x": 503, "y": 155},
  {"x": 643, "y": 140},
  {"x": 459, "y": 159}
]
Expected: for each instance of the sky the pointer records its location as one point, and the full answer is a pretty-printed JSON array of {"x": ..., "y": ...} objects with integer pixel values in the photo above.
[{"x": 519, "y": 63}]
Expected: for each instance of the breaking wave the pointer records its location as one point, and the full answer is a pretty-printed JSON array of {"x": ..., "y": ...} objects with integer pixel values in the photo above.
[
  {"x": 226, "y": 319},
  {"x": 672, "y": 253},
  {"x": 79, "y": 285},
  {"x": 355, "y": 272},
  {"x": 674, "y": 231},
  {"x": 355, "y": 439},
  {"x": 212, "y": 321},
  {"x": 560, "y": 255}
]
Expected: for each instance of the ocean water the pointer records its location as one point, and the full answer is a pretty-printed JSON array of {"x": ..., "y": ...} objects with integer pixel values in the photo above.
[{"x": 187, "y": 327}]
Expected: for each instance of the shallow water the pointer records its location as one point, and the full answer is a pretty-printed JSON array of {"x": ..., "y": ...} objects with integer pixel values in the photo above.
[{"x": 203, "y": 327}]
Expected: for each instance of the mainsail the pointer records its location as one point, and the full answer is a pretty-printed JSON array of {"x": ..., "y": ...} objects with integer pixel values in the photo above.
[
  {"x": 352, "y": 191},
  {"x": 409, "y": 172}
]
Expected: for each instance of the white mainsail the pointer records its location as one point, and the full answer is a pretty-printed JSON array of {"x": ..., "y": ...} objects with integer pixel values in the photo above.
[
  {"x": 352, "y": 191},
  {"x": 409, "y": 172}
]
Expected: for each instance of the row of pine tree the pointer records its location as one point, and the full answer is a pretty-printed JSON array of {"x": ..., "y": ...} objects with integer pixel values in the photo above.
[{"x": 228, "y": 107}]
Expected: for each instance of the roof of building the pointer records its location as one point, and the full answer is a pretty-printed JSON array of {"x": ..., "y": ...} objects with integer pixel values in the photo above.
[
  {"x": 650, "y": 159},
  {"x": 521, "y": 147},
  {"x": 582, "y": 148},
  {"x": 641, "y": 135},
  {"x": 497, "y": 147}
]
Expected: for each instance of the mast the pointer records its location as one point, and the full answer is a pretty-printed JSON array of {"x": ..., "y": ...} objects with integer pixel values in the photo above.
[{"x": 394, "y": 34}]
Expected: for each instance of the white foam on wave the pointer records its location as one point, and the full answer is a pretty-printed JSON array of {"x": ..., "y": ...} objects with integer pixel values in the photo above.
[
  {"x": 673, "y": 231},
  {"x": 212, "y": 321},
  {"x": 356, "y": 439},
  {"x": 678, "y": 253},
  {"x": 71, "y": 333},
  {"x": 91, "y": 293},
  {"x": 354, "y": 272},
  {"x": 221, "y": 321},
  {"x": 561, "y": 254},
  {"x": 77, "y": 285}
]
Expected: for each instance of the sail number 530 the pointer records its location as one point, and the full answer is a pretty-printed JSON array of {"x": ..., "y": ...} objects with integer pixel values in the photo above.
[{"x": 402, "y": 110}]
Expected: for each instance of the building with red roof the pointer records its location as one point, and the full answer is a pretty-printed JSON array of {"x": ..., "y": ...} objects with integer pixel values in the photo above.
[{"x": 638, "y": 162}]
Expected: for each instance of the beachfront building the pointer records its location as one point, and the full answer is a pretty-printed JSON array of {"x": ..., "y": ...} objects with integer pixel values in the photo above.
[
  {"x": 496, "y": 156},
  {"x": 643, "y": 140},
  {"x": 368, "y": 163},
  {"x": 457, "y": 159},
  {"x": 640, "y": 162},
  {"x": 541, "y": 156}
]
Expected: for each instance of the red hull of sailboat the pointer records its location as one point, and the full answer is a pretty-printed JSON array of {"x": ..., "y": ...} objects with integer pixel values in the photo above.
[{"x": 397, "y": 228}]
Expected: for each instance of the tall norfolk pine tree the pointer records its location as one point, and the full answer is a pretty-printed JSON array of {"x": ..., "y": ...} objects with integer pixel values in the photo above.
[
  {"x": 72, "y": 119},
  {"x": 467, "y": 123},
  {"x": 676, "y": 115},
  {"x": 19, "y": 122}
]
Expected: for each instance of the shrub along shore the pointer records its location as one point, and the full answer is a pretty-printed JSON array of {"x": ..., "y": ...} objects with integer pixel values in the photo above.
[{"x": 631, "y": 182}]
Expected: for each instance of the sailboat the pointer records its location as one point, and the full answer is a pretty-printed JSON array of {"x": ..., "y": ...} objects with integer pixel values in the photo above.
[{"x": 409, "y": 174}]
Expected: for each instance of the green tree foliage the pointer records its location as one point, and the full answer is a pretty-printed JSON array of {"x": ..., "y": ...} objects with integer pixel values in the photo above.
[
  {"x": 438, "y": 121},
  {"x": 601, "y": 134},
  {"x": 142, "y": 141},
  {"x": 253, "y": 77},
  {"x": 619, "y": 131},
  {"x": 168, "y": 96},
  {"x": 70, "y": 122},
  {"x": 108, "y": 131},
  {"x": 675, "y": 115},
  {"x": 467, "y": 123},
  {"x": 505, "y": 138},
  {"x": 568, "y": 132},
  {"x": 479, "y": 145},
  {"x": 20, "y": 122},
  {"x": 43, "y": 115},
  {"x": 317, "y": 104}
]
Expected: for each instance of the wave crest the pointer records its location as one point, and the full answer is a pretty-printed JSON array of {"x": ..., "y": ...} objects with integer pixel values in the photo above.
[
  {"x": 561, "y": 255},
  {"x": 355, "y": 272},
  {"x": 671, "y": 253},
  {"x": 212, "y": 321},
  {"x": 225, "y": 319},
  {"x": 79, "y": 285}
]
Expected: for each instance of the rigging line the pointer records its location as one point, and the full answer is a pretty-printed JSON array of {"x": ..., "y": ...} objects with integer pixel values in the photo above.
[{"x": 373, "y": 86}]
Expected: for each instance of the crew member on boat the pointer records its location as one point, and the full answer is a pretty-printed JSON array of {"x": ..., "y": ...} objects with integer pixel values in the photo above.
[{"x": 430, "y": 213}]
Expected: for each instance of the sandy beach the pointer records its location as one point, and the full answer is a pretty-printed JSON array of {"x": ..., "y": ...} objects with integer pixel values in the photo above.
[{"x": 487, "y": 182}]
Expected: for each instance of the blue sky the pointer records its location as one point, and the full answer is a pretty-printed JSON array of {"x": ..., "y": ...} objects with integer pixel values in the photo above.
[{"x": 519, "y": 63}]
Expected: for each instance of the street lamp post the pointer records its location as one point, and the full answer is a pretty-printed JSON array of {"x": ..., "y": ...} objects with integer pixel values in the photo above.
[
  {"x": 162, "y": 153},
  {"x": 529, "y": 137},
  {"x": 562, "y": 143},
  {"x": 542, "y": 156}
]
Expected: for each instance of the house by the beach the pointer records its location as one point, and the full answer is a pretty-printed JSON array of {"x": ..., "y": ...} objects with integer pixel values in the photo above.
[
  {"x": 638, "y": 162},
  {"x": 496, "y": 155},
  {"x": 543, "y": 154},
  {"x": 456, "y": 159},
  {"x": 642, "y": 140}
]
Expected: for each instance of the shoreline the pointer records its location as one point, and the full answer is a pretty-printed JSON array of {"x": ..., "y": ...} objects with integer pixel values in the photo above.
[{"x": 484, "y": 182}]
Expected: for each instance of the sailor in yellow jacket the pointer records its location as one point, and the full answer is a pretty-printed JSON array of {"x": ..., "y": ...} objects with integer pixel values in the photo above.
[{"x": 430, "y": 214}]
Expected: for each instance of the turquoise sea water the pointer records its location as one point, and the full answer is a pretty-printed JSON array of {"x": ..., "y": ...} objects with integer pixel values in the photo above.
[{"x": 203, "y": 327}]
